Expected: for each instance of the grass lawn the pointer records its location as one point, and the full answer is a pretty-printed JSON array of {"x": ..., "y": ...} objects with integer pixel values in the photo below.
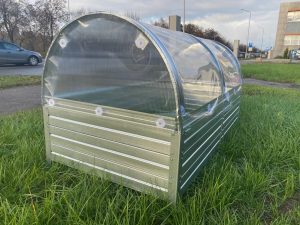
[
  {"x": 289, "y": 73},
  {"x": 249, "y": 181},
  {"x": 13, "y": 81}
]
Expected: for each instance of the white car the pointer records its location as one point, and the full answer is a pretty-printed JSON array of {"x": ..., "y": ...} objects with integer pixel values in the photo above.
[{"x": 295, "y": 54}]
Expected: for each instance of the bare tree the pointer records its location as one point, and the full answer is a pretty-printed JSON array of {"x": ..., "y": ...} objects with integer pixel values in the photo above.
[
  {"x": 212, "y": 34},
  {"x": 198, "y": 31},
  {"x": 161, "y": 23},
  {"x": 194, "y": 30},
  {"x": 132, "y": 15},
  {"x": 49, "y": 16},
  {"x": 80, "y": 12},
  {"x": 11, "y": 17},
  {"x": 30, "y": 31}
]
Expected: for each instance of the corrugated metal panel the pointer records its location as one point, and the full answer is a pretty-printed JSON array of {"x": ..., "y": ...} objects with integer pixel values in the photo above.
[
  {"x": 120, "y": 178},
  {"x": 188, "y": 175},
  {"x": 145, "y": 130},
  {"x": 232, "y": 110},
  {"x": 201, "y": 135},
  {"x": 133, "y": 116},
  {"x": 119, "y": 143},
  {"x": 203, "y": 132},
  {"x": 116, "y": 146}
]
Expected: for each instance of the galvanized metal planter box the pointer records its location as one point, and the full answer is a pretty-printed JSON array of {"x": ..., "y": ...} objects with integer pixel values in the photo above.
[{"x": 137, "y": 104}]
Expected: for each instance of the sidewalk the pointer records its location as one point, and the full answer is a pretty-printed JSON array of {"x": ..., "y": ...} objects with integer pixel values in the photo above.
[
  {"x": 19, "y": 98},
  {"x": 271, "y": 83}
]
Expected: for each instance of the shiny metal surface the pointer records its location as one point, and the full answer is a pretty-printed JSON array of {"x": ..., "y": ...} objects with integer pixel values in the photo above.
[{"x": 140, "y": 155}]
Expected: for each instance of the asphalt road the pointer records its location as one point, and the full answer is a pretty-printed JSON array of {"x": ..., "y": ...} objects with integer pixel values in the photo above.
[
  {"x": 271, "y": 84},
  {"x": 21, "y": 70}
]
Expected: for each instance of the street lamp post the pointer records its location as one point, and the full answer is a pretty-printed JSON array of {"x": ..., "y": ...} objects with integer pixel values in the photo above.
[
  {"x": 248, "y": 11},
  {"x": 69, "y": 16},
  {"x": 183, "y": 16}
]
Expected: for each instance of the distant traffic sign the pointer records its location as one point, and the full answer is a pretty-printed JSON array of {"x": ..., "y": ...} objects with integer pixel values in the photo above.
[{"x": 250, "y": 46}]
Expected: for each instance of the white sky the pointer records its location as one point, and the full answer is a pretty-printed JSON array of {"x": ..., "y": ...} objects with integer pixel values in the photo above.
[{"x": 223, "y": 15}]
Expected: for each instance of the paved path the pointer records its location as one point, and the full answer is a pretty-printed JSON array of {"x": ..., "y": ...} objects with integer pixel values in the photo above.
[
  {"x": 275, "y": 61},
  {"x": 19, "y": 98},
  {"x": 271, "y": 84},
  {"x": 22, "y": 70}
]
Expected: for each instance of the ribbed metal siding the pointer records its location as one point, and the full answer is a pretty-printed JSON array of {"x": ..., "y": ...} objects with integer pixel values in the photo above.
[
  {"x": 200, "y": 137},
  {"x": 124, "y": 145},
  {"x": 202, "y": 134},
  {"x": 232, "y": 110}
]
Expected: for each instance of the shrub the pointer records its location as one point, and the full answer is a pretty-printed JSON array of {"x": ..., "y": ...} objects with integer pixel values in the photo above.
[{"x": 286, "y": 53}]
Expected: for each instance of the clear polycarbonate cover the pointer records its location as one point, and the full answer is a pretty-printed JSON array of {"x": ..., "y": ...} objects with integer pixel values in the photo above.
[
  {"x": 199, "y": 74},
  {"x": 229, "y": 64},
  {"x": 113, "y": 61},
  {"x": 105, "y": 60}
]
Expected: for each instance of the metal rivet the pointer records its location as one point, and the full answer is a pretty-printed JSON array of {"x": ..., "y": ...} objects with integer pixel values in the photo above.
[
  {"x": 63, "y": 42},
  {"x": 99, "y": 111},
  {"x": 161, "y": 123},
  {"x": 51, "y": 102}
]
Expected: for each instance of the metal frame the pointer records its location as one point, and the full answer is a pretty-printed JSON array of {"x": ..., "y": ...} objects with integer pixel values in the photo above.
[{"x": 126, "y": 146}]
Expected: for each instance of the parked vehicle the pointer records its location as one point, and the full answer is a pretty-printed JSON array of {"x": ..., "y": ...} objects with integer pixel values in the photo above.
[
  {"x": 295, "y": 54},
  {"x": 241, "y": 55},
  {"x": 13, "y": 54},
  {"x": 264, "y": 55}
]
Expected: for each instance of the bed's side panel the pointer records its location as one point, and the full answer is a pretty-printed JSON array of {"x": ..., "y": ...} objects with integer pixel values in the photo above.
[
  {"x": 232, "y": 108},
  {"x": 128, "y": 147},
  {"x": 202, "y": 133}
]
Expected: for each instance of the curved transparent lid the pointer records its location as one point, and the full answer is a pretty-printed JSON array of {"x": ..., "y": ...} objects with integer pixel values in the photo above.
[
  {"x": 198, "y": 70},
  {"x": 106, "y": 60},
  {"x": 112, "y": 61},
  {"x": 229, "y": 64}
]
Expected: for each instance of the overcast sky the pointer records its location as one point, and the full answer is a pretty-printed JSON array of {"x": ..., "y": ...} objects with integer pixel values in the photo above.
[{"x": 223, "y": 15}]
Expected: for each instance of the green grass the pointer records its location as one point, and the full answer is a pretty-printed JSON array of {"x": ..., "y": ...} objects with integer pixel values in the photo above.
[
  {"x": 255, "y": 170},
  {"x": 288, "y": 73},
  {"x": 13, "y": 81}
]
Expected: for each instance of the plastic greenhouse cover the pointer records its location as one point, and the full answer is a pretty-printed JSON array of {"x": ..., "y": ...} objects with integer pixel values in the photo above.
[
  {"x": 107, "y": 61},
  {"x": 197, "y": 67},
  {"x": 228, "y": 64}
]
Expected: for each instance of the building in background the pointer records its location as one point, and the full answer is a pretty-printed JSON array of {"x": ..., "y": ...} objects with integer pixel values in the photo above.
[{"x": 288, "y": 28}]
